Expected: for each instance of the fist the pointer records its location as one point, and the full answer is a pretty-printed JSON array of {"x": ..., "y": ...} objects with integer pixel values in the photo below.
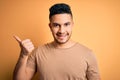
[{"x": 26, "y": 45}]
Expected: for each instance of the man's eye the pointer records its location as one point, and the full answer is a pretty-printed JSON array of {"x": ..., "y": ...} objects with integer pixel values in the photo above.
[
  {"x": 55, "y": 25},
  {"x": 67, "y": 24}
]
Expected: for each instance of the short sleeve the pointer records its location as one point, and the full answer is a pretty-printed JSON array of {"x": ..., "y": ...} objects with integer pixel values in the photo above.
[{"x": 92, "y": 69}]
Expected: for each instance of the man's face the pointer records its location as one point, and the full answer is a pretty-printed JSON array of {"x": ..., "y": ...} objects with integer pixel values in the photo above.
[{"x": 61, "y": 27}]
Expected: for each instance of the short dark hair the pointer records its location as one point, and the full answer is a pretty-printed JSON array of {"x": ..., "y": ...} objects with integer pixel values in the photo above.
[{"x": 59, "y": 8}]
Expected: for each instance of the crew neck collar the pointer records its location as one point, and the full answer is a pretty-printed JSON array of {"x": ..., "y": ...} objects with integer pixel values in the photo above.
[{"x": 72, "y": 45}]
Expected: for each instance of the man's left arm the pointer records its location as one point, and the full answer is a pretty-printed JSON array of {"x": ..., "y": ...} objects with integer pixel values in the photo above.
[{"x": 92, "y": 70}]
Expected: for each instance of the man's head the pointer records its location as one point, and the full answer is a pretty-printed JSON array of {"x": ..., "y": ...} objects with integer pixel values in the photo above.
[
  {"x": 61, "y": 22},
  {"x": 60, "y": 8}
]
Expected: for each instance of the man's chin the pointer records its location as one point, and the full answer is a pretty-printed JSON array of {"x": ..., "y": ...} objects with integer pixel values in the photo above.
[{"x": 61, "y": 42}]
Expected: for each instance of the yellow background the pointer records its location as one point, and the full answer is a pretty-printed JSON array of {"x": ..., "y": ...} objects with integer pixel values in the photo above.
[{"x": 97, "y": 25}]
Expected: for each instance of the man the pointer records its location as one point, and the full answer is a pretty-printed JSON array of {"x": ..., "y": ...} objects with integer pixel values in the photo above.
[{"x": 62, "y": 59}]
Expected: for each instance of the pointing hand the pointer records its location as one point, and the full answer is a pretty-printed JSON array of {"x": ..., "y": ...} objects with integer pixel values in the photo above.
[{"x": 26, "y": 45}]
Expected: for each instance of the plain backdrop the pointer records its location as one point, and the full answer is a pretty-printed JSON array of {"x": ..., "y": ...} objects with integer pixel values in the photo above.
[{"x": 96, "y": 25}]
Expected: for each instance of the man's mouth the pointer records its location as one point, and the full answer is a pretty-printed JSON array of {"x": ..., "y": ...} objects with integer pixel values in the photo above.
[{"x": 61, "y": 36}]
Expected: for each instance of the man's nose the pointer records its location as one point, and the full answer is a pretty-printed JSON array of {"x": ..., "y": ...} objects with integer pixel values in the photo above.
[{"x": 61, "y": 29}]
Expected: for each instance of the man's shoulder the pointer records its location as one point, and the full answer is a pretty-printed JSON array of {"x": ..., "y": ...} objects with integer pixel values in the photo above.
[
  {"x": 82, "y": 47},
  {"x": 43, "y": 47},
  {"x": 85, "y": 50}
]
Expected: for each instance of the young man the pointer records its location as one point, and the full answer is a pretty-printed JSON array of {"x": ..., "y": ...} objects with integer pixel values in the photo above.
[{"x": 62, "y": 59}]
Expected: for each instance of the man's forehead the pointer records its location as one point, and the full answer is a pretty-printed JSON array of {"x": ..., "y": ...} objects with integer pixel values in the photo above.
[
  {"x": 64, "y": 16},
  {"x": 61, "y": 23}
]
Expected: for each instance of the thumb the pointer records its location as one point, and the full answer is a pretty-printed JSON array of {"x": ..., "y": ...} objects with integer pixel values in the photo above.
[{"x": 17, "y": 39}]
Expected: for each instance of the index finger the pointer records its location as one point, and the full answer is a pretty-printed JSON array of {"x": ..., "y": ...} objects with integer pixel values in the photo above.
[{"x": 17, "y": 39}]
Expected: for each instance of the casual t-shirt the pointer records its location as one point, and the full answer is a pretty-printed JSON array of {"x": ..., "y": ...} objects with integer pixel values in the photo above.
[{"x": 74, "y": 63}]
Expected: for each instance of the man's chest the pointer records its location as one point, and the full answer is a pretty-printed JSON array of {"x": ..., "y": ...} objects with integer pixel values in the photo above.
[{"x": 62, "y": 64}]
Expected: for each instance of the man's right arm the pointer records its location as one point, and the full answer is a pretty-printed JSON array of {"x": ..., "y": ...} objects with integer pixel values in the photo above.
[{"x": 21, "y": 71}]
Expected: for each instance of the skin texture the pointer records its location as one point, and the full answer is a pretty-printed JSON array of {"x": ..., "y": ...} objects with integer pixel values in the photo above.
[
  {"x": 21, "y": 72},
  {"x": 61, "y": 27},
  {"x": 26, "y": 45}
]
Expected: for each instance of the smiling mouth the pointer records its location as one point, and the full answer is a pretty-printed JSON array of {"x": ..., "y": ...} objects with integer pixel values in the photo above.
[{"x": 61, "y": 37}]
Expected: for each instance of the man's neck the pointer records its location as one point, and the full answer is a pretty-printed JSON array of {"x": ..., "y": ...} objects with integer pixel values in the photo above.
[{"x": 64, "y": 45}]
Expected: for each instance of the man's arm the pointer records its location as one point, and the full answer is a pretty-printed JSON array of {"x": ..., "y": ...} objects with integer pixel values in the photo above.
[
  {"x": 93, "y": 71},
  {"x": 21, "y": 71}
]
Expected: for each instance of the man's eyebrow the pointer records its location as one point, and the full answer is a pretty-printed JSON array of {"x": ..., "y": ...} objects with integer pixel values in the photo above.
[
  {"x": 67, "y": 23},
  {"x": 55, "y": 23}
]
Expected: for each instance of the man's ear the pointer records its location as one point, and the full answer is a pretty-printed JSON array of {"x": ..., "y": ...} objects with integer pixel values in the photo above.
[{"x": 49, "y": 25}]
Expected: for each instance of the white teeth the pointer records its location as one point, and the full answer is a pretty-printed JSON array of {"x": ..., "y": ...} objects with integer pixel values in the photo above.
[{"x": 61, "y": 36}]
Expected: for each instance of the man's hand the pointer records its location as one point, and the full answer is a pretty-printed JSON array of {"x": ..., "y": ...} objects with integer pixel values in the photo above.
[{"x": 26, "y": 45}]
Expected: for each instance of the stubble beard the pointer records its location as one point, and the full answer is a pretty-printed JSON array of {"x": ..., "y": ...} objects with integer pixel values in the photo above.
[{"x": 60, "y": 42}]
